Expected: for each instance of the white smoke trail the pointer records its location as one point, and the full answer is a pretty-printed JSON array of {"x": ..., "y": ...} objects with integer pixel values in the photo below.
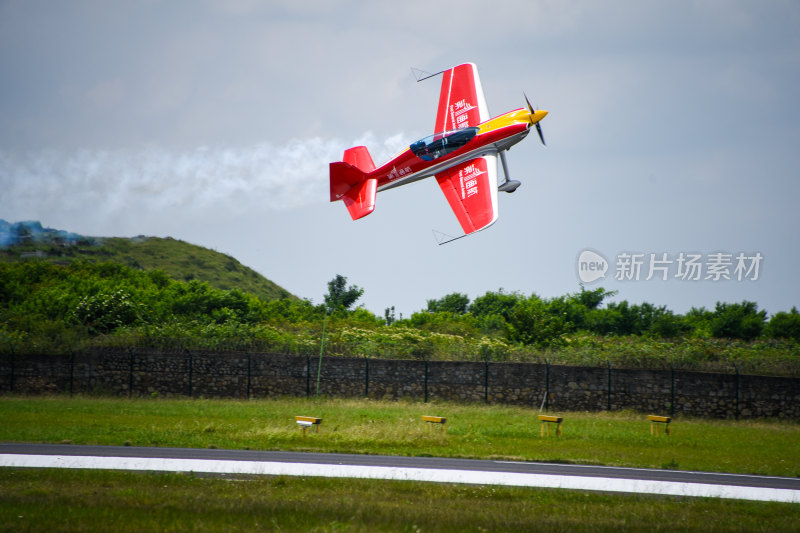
[{"x": 279, "y": 177}]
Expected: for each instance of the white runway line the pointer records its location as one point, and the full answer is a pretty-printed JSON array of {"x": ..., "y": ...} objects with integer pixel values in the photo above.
[{"x": 640, "y": 486}]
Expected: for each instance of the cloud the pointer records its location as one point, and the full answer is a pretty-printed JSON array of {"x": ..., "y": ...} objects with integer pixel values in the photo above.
[{"x": 276, "y": 177}]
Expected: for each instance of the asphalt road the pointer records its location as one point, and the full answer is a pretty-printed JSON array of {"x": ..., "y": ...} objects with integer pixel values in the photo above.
[{"x": 584, "y": 477}]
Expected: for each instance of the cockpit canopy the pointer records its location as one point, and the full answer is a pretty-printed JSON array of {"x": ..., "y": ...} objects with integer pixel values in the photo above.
[{"x": 440, "y": 144}]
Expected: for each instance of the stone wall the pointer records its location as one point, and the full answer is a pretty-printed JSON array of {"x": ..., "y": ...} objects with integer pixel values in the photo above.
[{"x": 256, "y": 375}]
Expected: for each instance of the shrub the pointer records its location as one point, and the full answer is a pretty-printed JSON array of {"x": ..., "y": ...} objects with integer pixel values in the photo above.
[
  {"x": 738, "y": 321},
  {"x": 103, "y": 313},
  {"x": 784, "y": 325}
]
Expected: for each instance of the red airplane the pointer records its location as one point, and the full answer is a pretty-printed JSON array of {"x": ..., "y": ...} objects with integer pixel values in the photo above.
[{"x": 462, "y": 153}]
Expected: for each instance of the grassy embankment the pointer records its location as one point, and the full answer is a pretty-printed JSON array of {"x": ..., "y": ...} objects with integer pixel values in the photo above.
[{"x": 179, "y": 260}]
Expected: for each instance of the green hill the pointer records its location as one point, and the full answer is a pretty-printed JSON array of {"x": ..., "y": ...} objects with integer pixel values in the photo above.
[{"x": 25, "y": 241}]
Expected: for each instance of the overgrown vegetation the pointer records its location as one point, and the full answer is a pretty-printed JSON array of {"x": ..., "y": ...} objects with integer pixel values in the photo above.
[
  {"x": 48, "y": 308},
  {"x": 159, "y": 292}
]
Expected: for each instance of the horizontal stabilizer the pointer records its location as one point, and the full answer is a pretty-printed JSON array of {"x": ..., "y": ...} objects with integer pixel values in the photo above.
[{"x": 359, "y": 157}]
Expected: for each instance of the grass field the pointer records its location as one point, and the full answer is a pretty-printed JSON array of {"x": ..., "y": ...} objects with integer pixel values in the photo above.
[
  {"x": 65, "y": 500},
  {"x": 395, "y": 428},
  {"x": 48, "y": 500}
]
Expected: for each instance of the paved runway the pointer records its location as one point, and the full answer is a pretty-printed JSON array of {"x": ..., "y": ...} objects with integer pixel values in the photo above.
[{"x": 583, "y": 477}]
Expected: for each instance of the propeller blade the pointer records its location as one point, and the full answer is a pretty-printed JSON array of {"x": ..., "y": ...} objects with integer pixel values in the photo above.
[
  {"x": 541, "y": 136},
  {"x": 530, "y": 107},
  {"x": 538, "y": 127}
]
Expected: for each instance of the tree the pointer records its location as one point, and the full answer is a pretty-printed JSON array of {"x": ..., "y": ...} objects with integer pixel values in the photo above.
[
  {"x": 340, "y": 297},
  {"x": 622, "y": 318},
  {"x": 784, "y": 325},
  {"x": 530, "y": 322},
  {"x": 494, "y": 303},
  {"x": 698, "y": 321},
  {"x": 592, "y": 299},
  {"x": 492, "y": 310},
  {"x": 579, "y": 309},
  {"x": 455, "y": 303},
  {"x": 388, "y": 315},
  {"x": 668, "y": 325},
  {"x": 738, "y": 321}
]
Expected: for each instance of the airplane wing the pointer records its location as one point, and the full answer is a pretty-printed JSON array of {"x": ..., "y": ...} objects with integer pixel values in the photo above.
[
  {"x": 461, "y": 100},
  {"x": 471, "y": 191}
]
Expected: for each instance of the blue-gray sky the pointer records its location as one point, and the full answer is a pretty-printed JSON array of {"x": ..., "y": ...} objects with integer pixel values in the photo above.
[{"x": 673, "y": 127}]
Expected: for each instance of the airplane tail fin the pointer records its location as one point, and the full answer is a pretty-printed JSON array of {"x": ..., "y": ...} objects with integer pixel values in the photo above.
[{"x": 349, "y": 182}]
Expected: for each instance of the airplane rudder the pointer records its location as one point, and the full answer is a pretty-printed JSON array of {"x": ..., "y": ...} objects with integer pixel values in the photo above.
[{"x": 343, "y": 177}]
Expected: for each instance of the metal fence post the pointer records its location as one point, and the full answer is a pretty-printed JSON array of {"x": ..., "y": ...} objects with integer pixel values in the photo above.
[
  {"x": 486, "y": 380},
  {"x": 672, "y": 392},
  {"x": 71, "y": 371},
  {"x": 132, "y": 354},
  {"x": 609, "y": 386},
  {"x": 547, "y": 385},
  {"x": 191, "y": 373},
  {"x": 249, "y": 371},
  {"x": 308, "y": 376},
  {"x": 366, "y": 376},
  {"x": 13, "y": 368},
  {"x": 321, "y": 349},
  {"x": 736, "y": 369},
  {"x": 426, "y": 380}
]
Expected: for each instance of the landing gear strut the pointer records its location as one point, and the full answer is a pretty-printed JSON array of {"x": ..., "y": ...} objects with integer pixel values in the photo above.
[{"x": 509, "y": 185}]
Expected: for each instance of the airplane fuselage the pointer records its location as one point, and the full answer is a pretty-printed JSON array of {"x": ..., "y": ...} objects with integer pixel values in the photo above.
[{"x": 494, "y": 135}]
